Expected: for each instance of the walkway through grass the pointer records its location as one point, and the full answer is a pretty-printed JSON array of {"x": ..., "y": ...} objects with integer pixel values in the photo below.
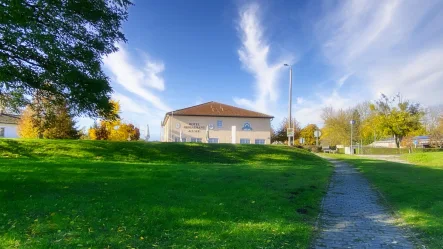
[
  {"x": 414, "y": 191},
  {"x": 85, "y": 194}
]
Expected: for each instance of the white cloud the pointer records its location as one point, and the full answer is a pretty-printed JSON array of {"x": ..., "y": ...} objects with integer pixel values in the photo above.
[
  {"x": 343, "y": 79},
  {"x": 152, "y": 71},
  {"x": 309, "y": 111},
  {"x": 391, "y": 46},
  {"x": 300, "y": 100},
  {"x": 254, "y": 56},
  {"x": 136, "y": 80},
  {"x": 128, "y": 105},
  {"x": 140, "y": 99}
]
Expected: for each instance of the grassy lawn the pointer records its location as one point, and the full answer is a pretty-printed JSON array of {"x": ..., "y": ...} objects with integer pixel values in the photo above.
[
  {"x": 95, "y": 194},
  {"x": 427, "y": 159},
  {"x": 414, "y": 191}
]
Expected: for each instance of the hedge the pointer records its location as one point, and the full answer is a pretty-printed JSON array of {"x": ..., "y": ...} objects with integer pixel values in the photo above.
[{"x": 391, "y": 151}]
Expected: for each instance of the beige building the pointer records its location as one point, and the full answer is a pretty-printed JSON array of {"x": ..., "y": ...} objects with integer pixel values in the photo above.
[{"x": 214, "y": 122}]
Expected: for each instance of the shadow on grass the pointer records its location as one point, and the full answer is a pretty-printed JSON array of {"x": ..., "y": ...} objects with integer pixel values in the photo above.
[
  {"x": 100, "y": 204},
  {"x": 10, "y": 147},
  {"x": 413, "y": 191}
]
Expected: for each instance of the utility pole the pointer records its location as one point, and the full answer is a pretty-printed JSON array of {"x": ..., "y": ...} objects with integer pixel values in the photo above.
[
  {"x": 290, "y": 103},
  {"x": 352, "y": 125}
]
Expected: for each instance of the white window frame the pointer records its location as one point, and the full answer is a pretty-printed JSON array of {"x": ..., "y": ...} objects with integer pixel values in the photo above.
[
  {"x": 242, "y": 140},
  {"x": 4, "y": 131},
  {"x": 196, "y": 140},
  {"x": 213, "y": 139},
  {"x": 259, "y": 139}
]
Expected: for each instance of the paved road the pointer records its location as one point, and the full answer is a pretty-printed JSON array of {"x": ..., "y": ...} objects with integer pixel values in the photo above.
[{"x": 352, "y": 216}]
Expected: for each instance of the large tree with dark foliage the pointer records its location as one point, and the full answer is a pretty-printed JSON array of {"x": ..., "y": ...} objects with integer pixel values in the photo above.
[{"x": 57, "y": 46}]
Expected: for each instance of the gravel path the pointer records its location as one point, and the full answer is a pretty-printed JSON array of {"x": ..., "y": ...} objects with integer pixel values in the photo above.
[
  {"x": 392, "y": 158},
  {"x": 352, "y": 216}
]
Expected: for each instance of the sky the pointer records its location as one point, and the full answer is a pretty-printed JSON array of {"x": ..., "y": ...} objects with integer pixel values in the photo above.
[{"x": 183, "y": 53}]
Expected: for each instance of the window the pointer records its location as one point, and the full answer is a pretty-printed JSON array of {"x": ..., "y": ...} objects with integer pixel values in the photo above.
[
  {"x": 196, "y": 140},
  {"x": 245, "y": 141},
  {"x": 177, "y": 139},
  {"x": 259, "y": 141},
  {"x": 183, "y": 139},
  {"x": 213, "y": 141},
  {"x": 2, "y": 131},
  {"x": 219, "y": 123}
]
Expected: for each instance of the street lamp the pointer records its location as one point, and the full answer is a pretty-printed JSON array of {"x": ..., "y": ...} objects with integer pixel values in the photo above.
[
  {"x": 352, "y": 122},
  {"x": 290, "y": 101}
]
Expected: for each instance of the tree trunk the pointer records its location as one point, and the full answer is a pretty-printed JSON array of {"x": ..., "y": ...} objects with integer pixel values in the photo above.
[{"x": 397, "y": 141}]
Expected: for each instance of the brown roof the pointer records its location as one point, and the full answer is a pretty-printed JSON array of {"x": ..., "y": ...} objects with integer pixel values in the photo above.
[
  {"x": 9, "y": 118},
  {"x": 215, "y": 109}
]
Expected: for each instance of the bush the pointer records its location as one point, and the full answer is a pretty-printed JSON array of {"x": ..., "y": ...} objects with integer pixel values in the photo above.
[{"x": 313, "y": 148}]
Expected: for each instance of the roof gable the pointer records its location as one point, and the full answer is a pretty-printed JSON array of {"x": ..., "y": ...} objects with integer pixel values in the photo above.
[
  {"x": 9, "y": 118},
  {"x": 215, "y": 109}
]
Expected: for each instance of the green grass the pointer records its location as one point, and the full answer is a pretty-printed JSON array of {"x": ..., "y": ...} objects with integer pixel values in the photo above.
[
  {"x": 95, "y": 194},
  {"x": 415, "y": 191},
  {"x": 426, "y": 159}
]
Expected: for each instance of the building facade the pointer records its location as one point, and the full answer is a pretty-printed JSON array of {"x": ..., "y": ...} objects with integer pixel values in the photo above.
[
  {"x": 8, "y": 125},
  {"x": 215, "y": 122}
]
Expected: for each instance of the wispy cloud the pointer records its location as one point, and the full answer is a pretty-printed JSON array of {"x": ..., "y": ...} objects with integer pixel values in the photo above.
[
  {"x": 138, "y": 80},
  {"x": 343, "y": 79},
  {"x": 254, "y": 56},
  {"x": 391, "y": 46},
  {"x": 138, "y": 87},
  {"x": 129, "y": 105},
  {"x": 309, "y": 111}
]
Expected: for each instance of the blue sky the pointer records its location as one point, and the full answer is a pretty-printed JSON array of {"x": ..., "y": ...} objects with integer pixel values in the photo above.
[{"x": 182, "y": 53}]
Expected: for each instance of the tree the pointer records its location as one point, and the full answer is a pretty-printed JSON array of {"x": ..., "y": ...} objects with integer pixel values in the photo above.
[
  {"x": 26, "y": 126},
  {"x": 337, "y": 129},
  {"x": 61, "y": 42},
  {"x": 47, "y": 119},
  {"x": 436, "y": 135},
  {"x": 281, "y": 134},
  {"x": 433, "y": 121},
  {"x": 134, "y": 132},
  {"x": 369, "y": 130},
  {"x": 397, "y": 118},
  {"x": 308, "y": 134},
  {"x": 114, "y": 128},
  {"x": 11, "y": 101}
]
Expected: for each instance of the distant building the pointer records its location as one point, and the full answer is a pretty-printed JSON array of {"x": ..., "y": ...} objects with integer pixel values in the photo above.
[
  {"x": 8, "y": 125},
  {"x": 215, "y": 122},
  {"x": 421, "y": 141},
  {"x": 384, "y": 143}
]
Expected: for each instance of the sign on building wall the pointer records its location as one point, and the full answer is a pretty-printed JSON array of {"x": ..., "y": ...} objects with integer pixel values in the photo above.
[
  {"x": 246, "y": 127},
  {"x": 194, "y": 127}
]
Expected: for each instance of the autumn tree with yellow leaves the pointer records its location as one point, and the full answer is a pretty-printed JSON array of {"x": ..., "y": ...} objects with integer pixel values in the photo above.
[
  {"x": 47, "y": 117},
  {"x": 113, "y": 128}
]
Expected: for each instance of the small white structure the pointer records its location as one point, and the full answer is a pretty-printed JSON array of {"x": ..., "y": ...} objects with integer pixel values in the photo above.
[{"x": 8, "y": 125}]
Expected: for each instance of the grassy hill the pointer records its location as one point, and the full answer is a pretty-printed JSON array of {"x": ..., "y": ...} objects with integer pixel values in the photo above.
[
  {"x": 97, "y": 194},
  {"x": 426, "y": 159}
]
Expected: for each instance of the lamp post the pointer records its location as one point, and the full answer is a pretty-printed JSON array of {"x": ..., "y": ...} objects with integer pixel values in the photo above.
[
  {"x": 352, "y": 125},
  {"x": 290, "y": 102}
]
